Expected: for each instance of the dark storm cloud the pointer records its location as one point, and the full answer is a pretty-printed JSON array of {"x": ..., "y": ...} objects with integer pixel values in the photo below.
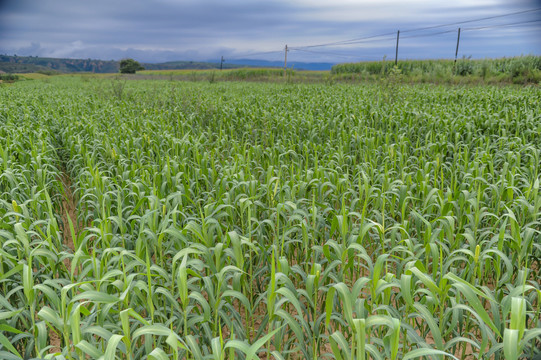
[{"x": 166, "y": 30}]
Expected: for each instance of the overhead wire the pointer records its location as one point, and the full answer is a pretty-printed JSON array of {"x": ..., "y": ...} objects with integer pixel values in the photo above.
[
  {"x": 475, "y": 20},
  {"x": 255, "y": 54},
  {"x": 356, "y": 40},
  {"x": 345, "y": 42},
  {"x": 503, "y": 25},
  {"x": 326, "y": 53},
  {"x": 392, "y": 35}
]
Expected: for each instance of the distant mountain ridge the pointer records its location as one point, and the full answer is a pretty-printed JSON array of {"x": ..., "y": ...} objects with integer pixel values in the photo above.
[{"x": 30, "y": 64}]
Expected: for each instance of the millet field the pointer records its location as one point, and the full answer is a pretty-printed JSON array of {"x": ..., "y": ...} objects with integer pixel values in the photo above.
[{"x": 146, "y": 219}]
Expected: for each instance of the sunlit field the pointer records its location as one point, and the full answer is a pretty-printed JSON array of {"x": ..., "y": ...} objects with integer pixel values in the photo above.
[{"x": 148, "y": 219}]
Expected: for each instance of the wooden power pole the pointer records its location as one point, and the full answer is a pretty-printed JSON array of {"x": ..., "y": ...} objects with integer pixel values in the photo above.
[
  {"x": 285, "y": 62},
  {"x": 457, "y": 42},
  {"x": 222, "y": 63},
  {"x": 396, "y": 55}
]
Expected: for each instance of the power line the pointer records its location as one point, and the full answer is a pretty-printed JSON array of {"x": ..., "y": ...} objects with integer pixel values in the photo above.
[
  {"x": 431, "y": 34},
  {"x": 392, "y": 35},
  {"x": 345, "y": 42},
  {"x": 328, "y": 53},
  {"x": 255, "y": 54},
  {"x": 371, "y": 39},
  {"x": 518, "y": 23},
  {"x": 515, "y": 24},
  {"x": 361, "y": 39},
  {"x": 475, "y": 20}
]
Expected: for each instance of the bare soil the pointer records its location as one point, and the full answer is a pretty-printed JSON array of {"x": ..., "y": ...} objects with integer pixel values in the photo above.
[{"x": 69, "y": 207}]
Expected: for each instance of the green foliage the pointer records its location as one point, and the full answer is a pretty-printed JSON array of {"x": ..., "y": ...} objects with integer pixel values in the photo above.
[
  {"x": 438, "y": 70},
  {"x": 249, "y": 220},
  {"x": 130, "y": 66},
  {"x": 9, "y": 77},
  {"x": 464, "y": 67}
]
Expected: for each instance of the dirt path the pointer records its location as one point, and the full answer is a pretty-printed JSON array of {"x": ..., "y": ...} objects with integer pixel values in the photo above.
[
  {"x": 69, "y": 209},
  {"x": 69, "y": 206}
]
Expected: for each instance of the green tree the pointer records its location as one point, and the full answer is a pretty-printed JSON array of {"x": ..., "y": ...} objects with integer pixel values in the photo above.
[{"x": 130, "y": 66}]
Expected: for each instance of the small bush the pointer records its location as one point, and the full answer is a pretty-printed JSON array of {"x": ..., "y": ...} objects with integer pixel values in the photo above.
[
  {"x": 9, "y": 77},
  {"x": 485, "y": 69},
  {"x": 464, "y": 67},
  {"x": 212, "y": 77}
]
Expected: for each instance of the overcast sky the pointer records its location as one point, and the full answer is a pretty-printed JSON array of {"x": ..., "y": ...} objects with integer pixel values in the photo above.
[{"x": 167, "y": 30}]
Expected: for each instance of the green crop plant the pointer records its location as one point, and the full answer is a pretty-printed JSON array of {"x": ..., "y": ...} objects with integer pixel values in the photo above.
[
  {"x": 521, "y": 69},
  {"x": 256, "y": 220}
]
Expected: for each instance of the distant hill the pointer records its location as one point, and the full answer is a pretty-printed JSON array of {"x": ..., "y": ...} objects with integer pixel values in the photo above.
[
  {"x": 26, "y": 64},
  {"x": 32, "y": 64}
]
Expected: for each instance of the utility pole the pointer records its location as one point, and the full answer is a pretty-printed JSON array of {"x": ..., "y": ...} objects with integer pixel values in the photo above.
[
  {"x": 457, "y": 42},
  {"x": 396, "y": 55},
  {"x": 222, "y": 63},
  {"x": 285, "y": 62}
]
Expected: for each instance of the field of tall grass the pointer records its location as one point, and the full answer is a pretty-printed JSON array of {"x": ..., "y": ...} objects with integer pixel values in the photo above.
[
  {"x": 196, "y": 220},
  {"x": 519, "y": 70},
  {"x": 242, "y": 74}
]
